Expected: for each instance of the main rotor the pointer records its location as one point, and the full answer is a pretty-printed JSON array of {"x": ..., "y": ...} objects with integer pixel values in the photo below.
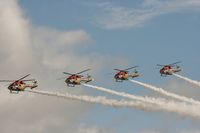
[
  {"x": 21, "y": 79},
  {"x": 126, "y": 70},
  {"x": 78, "y": 74}
]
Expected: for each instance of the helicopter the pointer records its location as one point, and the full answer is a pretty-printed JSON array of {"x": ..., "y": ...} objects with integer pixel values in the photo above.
[
  {"x": 20, "y": 85},
  {"x": 124, "y": 74},
  {"x": 77, "y": 79},
  {"x": 169, "y": 69}
]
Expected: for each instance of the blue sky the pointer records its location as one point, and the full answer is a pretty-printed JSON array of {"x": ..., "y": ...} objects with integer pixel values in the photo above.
[{"x": 142, "y": 32}]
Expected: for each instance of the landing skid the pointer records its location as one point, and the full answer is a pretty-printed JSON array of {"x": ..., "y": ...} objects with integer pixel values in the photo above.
[
  {"x": 164, "y": 75},
  {"x": 119, "y": 80},
  {"x": 14, "y": 92},
  {"x": 70, "y": 85}
]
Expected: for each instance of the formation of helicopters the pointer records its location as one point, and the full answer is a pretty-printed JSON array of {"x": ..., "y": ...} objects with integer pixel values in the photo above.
[{"x": 76, "y": 79}]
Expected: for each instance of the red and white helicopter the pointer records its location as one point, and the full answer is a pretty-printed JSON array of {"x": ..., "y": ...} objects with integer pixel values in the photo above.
[
  {"x": 20, "y": 85},
  {"x": 77, "y": 79},
  {"x": 122, "y": 75},
  {"x": 169, "y": 69}
]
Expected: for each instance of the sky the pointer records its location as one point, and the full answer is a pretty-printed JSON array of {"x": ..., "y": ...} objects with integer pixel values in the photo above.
[{"x": 47, "y": 37}]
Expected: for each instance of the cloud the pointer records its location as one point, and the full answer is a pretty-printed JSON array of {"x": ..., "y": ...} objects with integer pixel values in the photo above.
[
  {"x": 28, "y": 113},
  {"x": 14, "y": 36},
  {"x": 118, "y": 17},
  {"x": 56, "y": 48},
  {"x": 19, "y": 54},
  {"x": 94, "y": 129},
  {"x": 44, "y": 52},
  {"x": 168, "y": 130}
]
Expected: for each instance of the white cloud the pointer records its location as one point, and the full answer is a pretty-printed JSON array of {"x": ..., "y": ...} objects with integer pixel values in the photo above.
[
  {"x": 90, "y": 130},
  {"x": 56, "y": 48},
  {"x": 20, "y": 55},
  {"x": 14, "y": 36},
  {"x": 45, "y": 53},
  {"x": 116, "y": 17},
  {"x": 168, "y": 130},
  {"x": 94, "y": 129}
]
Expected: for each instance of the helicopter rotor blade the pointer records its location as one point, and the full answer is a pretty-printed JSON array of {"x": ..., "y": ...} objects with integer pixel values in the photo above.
[
  {"x": 118, "y": 70},
  {"x": 175, "y": 63},
  {"x": 7, "y": 80},
  {"x": 68, "y": 73},
  {"x": 28, "y": 80},
  {"x": 61, "y": 78},
  {"x": 130, "y": 68},
  {"x": 125, "y": 70},
  {"x": 83, "y": 71},
  {"x": 24, "y": 77},
  {"x": 112, "y": 73},
  {"x": 160, "y": 65},
  {"x": 15, "y": 80}
]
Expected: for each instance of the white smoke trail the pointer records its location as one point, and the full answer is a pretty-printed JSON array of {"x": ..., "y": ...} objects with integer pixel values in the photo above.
[
  {"x": 126, "y": 95},
  {"x": 197, "y": 83},
  {"x": 182, "y": 109},
  {"x": 161, "y": 103},
  {"x": 99, "y": 99},
  {"x": 166, "y": 93}
]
